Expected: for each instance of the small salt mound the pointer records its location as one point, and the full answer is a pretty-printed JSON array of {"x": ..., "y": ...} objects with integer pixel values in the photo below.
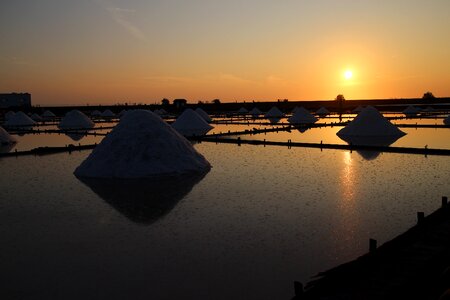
[
  {"x": 20, "y": 119},
  {"x": 274, "y": 112},
  {"x": 370, "y": 122},
  {"x": 242, "y": 110},
  {"x": 255, "y": 112},
  {"x": 447, "y": 120},
  {"x": 75, "y": 119},
  {"x": 295, "y": 110},
  {"x": 122, "y": 112},
  {"x": 322, "y": 111},
  {"x": 142, "y": 145},
  {"x": 6, "y": 138},
  {"x": 411, "y": 110},
  {"x": 108, "y": 114},
  {"x": 302, "y": 116},
  {"x": 48, "y": 115},
  {"x": 36, "y": 117},
  {"x": 162, "y": 112},
  {"x": 358, "y": 109},
  {"x": 189, "y": 123},
  {"x": 9, "y": 114},
  {"x": 96, "y": 113},
  {"x": 203, "y": 114}
]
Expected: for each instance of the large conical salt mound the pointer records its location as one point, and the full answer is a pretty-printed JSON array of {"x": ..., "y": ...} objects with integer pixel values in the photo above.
[
  {"x": 189, "y": 123},
  {"x": 255, "y": 112},
  {"x": 203, "y": 114},
  {"x": 322, "y": 111},
  {"x": 274, "y": 112},
  {"x": 142, "y": 145},
  {"x": 370, "y": 122},
  {"x": 75, "y": 119},
  {"x": 302, "y": 116},
  {"x": 6, "y": 138},
  {"x": 48, "y": 114},
  {"x": 411, "y": 110},
  {"x": 20, "y": 119},
  {"x": 447, "y": 120}
]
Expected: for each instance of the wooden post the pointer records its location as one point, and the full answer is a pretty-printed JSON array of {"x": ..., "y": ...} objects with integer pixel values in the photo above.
[
  {"x": 298, "y": 289},
  {"x": 420, "y": 217},
  {"x": 372, "y": 245}
]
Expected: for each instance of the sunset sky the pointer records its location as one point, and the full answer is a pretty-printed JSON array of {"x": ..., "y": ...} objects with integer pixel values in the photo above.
[{"x": 97, "y": 51}]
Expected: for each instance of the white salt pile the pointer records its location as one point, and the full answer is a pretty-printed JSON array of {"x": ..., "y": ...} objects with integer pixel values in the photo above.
[
  {"x": 274, "y": 112},
  {"x": 122, "y": 112},
  {"x": 203, "y": 114},
  {"x": 9, "y": 114},
  {"x": 108, "y": 114},
  {"x": 358, "y": 109},
  {"x": 36, "y": 117},
  {"x": 96, "y": 113},
  {"x": 242, "y": 110},
  {"x": 255, "y": 112},
  {"x": 75, "y": 119},
  {"x": 322, "y": 111},
  {"x": 189, "y": 123},
  {"x": 142, "y": 145},
  {"x": 447, "y": 120},
  {"x": 48, "y": 115},
  {"x": 6, "y": 138},
  {"x": 411, "y": 111},
  {"x": 370, "y": 122},
  {"x": 302, "y": 116},
  {"x": 20, "y": 119}
]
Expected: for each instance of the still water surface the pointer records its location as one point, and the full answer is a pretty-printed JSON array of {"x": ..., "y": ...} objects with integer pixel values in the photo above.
[{"x": 260, "y": 219}]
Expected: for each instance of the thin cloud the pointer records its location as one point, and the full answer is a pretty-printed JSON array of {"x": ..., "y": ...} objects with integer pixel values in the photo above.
[{"x": 119, "y": 15}]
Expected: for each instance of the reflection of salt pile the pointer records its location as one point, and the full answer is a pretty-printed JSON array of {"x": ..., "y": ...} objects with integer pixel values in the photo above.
[
  {"x": 255, "y": 112},
  {"x": 322, "y": 111},
  {"x": 36, "y": 117},
  {"x": 411, "y": 111},
  {"x": 242, "y": 110},
  {"x": 302, "y": 116},
  {"x": 19, "y": 119},
  {"x": 203, "y": 114},
  {"x": 447, "y": 120},
  {"x": 189, "y": 123},
  {"x": 6, "y": 138},
  {"x": 142, "y": 145},
  {"x": 370, "y": 128},
  {"x": 48, "y": 115},
  {"x": 75, "y": 119},
  {"x": 274, "y": 112},
  {"x": 143, "y": 200}
]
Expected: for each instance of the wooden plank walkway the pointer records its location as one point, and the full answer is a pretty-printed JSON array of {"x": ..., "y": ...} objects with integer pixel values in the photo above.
[{"x": 414, "y": 265}]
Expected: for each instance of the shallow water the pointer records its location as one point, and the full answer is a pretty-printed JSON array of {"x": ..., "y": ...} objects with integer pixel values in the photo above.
[{"x": 260, "y": 219}]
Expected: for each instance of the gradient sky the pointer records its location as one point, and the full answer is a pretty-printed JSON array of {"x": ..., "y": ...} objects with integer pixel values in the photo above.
[{"x": 99, "y": 51}]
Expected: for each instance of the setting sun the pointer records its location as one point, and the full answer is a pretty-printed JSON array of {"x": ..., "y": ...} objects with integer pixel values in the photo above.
[{"x": 348, "y": 74}]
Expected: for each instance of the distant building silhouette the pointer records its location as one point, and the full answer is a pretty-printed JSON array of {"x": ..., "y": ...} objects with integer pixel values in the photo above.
[
  {"x": 179, "y": 103},
  {"x": 15, "y": 100}
]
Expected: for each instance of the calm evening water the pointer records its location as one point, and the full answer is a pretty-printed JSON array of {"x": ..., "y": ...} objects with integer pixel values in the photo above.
[{"x": 260, "y": 219}]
